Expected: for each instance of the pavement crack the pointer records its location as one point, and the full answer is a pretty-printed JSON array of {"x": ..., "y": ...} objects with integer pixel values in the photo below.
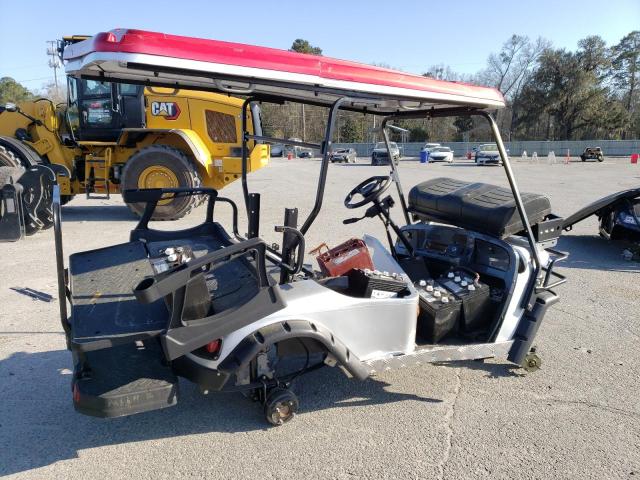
[
  {"x": 448, "y": 427},
  {"x": 571, "y": 314},
  {"x": 588, "y": 404}
]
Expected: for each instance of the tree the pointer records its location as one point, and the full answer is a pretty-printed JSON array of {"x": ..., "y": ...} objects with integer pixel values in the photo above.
[
  {"x": 567, "y": 91},
  {"x": 303, "y": 46},
  {"x": 463, "y": 125},
  {"x": 625, "y": 66},
  {"x": 53, "y": 93},
  {"x": 12, "y": 91},
  {"x": 348, "y": 129},
  {"x": 594, "y": 55}
]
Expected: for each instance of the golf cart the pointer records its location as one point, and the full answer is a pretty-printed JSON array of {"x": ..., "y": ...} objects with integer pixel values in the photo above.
[
  {"x": 592, "y": 153},
  {"x": 470, "y": 274}
]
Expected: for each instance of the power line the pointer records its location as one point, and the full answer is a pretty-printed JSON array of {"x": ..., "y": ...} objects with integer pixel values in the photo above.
[{"x": 34, "y": 79}]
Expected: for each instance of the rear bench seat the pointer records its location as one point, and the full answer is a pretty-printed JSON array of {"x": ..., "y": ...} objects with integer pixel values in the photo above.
[{"x": 480, "y": 207}]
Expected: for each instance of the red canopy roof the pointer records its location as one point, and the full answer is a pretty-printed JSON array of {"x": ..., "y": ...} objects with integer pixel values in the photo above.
[{"x": 158, "y": 58}]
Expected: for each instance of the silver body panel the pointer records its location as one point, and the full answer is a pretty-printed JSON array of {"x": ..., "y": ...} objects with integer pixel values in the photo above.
[
  {"x": 370, "y": 327},
  {"x": 381, "y": 332}
]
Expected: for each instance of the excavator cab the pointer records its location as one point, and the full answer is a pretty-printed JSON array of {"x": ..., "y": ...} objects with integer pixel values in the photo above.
[{"x": 98, "y": 111}]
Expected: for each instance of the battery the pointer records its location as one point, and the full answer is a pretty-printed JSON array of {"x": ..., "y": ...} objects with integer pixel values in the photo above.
[
  {"x": 439, "y": 311},
  {"x": 477, "y": 308},
  {"x": 340, "y": 259},
  {"x": 367, "y": 283}
]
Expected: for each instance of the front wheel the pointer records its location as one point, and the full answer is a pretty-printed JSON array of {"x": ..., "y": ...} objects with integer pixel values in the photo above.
[{"x": 161, "y": 166}]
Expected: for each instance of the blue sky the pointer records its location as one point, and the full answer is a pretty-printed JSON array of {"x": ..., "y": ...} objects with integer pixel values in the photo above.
[{"x": 411, "y": 35}]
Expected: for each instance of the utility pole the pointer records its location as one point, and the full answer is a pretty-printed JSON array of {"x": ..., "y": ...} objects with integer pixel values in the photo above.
[
  {"x": 304, "y": 124},
  {"x": 52, "y": 51}
]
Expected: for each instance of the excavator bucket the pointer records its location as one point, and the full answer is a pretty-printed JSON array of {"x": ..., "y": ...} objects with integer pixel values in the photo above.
[{"x": 25, "y": 201}]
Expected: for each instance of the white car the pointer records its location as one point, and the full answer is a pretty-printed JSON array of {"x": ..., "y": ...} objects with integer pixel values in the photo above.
[
  {"x": 487, "y": 154},
  {"x": 441, "y": 154},
  {"x": 428, "y": 147}
]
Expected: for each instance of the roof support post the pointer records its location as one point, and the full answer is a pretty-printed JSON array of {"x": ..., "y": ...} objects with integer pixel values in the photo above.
[
  {"x": 528, "y": 298},
  {"x": 245, "y": 153},
  {"x": 394, "y": 171},
  {"x": 326, "y": 149}
]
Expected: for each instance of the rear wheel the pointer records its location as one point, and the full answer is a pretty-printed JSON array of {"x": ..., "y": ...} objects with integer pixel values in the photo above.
[
  {"x": 280, "y": 406},
  {"x": 161, "y": 166}
]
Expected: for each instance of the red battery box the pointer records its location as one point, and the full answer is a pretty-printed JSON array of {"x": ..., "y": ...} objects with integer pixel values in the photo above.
[{"x": 339, "y": 260}]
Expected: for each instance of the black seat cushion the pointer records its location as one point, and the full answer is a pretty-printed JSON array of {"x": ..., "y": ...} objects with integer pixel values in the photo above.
[{"x": 480, "y": 207}]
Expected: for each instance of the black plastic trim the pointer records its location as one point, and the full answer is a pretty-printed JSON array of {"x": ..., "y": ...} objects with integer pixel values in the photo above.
[
  {"x": 248, "y": 348},
  {"x": 529, "y": 325}
]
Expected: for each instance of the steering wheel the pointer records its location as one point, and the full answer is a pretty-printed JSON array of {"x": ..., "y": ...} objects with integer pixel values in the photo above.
[{"x": 370, "y": 190}]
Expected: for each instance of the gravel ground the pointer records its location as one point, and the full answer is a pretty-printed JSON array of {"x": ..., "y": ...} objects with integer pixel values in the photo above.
[{"x": 578, "y": 417}]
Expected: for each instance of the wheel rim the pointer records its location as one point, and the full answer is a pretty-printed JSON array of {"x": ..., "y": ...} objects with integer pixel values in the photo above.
[
  {"x": 282, "y": 412},
  {"x": 158, "y": 176}
]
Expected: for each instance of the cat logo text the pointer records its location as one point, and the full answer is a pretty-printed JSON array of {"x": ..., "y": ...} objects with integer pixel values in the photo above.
[{"x": 168, "y": 110}]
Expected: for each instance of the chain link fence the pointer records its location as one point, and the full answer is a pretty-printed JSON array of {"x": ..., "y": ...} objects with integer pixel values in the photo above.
[{"x": 612, "y": 148}]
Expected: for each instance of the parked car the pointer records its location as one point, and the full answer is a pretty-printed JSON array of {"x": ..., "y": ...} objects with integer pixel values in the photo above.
[
  {"x": 428, "y": 147},
  {"x": 343, "y": 155},
  {"x": 277, "y": 149},
  {"x": 592, "y": 153},
  {"x": 379, "y": 156},
  {"x": 441, "y": 154},
  {"x": 488, "y": 154},
  {"x": 305, "y": 154}
]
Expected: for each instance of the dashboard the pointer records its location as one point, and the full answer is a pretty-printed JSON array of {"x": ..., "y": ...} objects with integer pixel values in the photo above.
[{"x": 456, "y": 246}]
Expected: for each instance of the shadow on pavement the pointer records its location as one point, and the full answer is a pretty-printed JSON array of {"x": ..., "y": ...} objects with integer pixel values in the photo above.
[
  {"x": 493, "y": 370},
  {"x": 593, "y": 252},
  {"x": 38, "y": 425}
]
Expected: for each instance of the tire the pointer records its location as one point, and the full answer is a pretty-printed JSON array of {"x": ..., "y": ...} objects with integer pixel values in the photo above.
[
  {"x": 8, "y": 158},
  {"x": 172, "y": 160},
  {"x": 601, "y": 159}
]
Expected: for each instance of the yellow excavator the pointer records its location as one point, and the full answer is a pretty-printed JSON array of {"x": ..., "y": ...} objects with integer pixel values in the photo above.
[{"x": 110, "y": 137}]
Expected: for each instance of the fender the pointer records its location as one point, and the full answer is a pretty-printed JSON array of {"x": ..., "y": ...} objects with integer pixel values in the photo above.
[
  {"x": 130, "y": 136},
  {"x": 25, "y": 153},
  {"x": 252, "y": 344}
]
